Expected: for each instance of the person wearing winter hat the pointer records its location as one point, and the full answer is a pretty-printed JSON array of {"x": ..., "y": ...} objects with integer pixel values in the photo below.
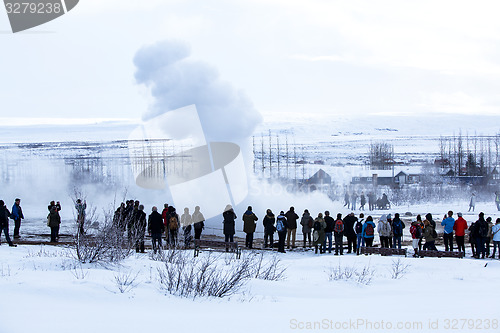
[{"x": 460, "y": 226}]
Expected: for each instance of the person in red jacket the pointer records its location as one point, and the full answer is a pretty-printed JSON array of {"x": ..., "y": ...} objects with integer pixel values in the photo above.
[{"x": 460, "y": 227}]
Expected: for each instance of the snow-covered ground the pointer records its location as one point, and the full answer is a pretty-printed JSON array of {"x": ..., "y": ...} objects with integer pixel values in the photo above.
[{"x": 45, "y": 290}]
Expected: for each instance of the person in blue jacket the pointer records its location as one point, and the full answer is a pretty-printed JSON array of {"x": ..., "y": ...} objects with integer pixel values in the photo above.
[
  {"x": 17, "y": 216},
  {"x": 448, "y": 223},
  {"x": 368, "y": 231}
]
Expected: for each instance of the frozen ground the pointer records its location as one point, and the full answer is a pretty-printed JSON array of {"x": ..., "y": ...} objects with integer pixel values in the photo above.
[{"x": 44, "y": 290}]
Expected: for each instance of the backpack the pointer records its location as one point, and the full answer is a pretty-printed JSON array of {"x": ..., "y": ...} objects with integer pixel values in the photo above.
[
  {"x": 172, "y": 223},
  {"x": 418, "y": 232},
  {"x": 317, "y": 225},
  {"x": 280, "y": 226},
  {"x": 434, "y": 233},
  {"x": 369, "y": 230},
  {"x": 398, "y": 228},
  {"x": 339, "y": 226},
  {"x": 483, "y": 229},
  {"x": 359, "y": 227}
]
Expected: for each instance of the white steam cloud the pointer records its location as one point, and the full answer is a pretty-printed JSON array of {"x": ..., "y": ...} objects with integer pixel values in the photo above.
[{"x": 176, "y": 81}]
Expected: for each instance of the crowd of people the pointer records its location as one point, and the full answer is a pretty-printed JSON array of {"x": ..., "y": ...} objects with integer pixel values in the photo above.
[
  {"x": 130, "y": 217},
  {"x": 324, "y": 232}
]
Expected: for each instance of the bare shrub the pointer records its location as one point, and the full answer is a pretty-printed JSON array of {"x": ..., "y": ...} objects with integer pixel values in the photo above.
[
  {"x": 105, "y": 244},
  {"x": 350, "y": 273},
  {"x": 78, "y": 272},
  {"x": 272, "y": 271},
  {"x": 126, "y": 281},
  {"x": 398, "y": 269},
  {"x": 190, "y": 277}
]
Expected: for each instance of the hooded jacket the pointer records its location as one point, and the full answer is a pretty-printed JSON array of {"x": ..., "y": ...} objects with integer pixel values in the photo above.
[
  {"x": 460, "y": 226},
  {"x": 291, "y": 218},
  {"x": 268, "y": 223},
  {"x": 304, "y": 222},
  {"x": 249, "y": 219},
  {"x": 229, "y": 217}
]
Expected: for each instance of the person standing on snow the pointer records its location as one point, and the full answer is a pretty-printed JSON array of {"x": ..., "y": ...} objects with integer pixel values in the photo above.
[
  {"x": 495, "y": 232},
  {"x": 330, "y": 223},
  {"x": 416, "y": 233},
  {"x": 173, "y": 225},
  {"x": 198, "y": 222},
  {"x": 460, "y": 226},
  {"x": 338, "y": 234},
  {"x": 362, "y": 199},
  {"x": 497, "y": 200},
  {"x": 291, "y": 219},
  {"x": 139, "y": 228},
  {"x": 429, "y": 236},
  {"x": 384, "y": 231},
  {"x": 229, "y": 224},
  {"x": 472, "y": 202},
  {"x": 80, "y": 214},
  {"x": 397, "y": 229},
  {"x": 4, "y": 223},
  {"x": 368, "y": 231},
  {"x": 17, "y": 216},
  {"x": 307, "y": 223},
  {"x": 481, "y": 232},
  {"x": 269, "y": 228},
  {"x": 54, "y": 222},
  {"x": 354, "y": 197},
  {"x": 358, "y": 228},
  {"x": 186, "y": 222},
  {"x": 346, "y": 199},
  {"x": 249, "y": 225},
  {"x": 281, "y": 227},
  {"x": 488, "y": 237},
  {"x": 156, "y": 229},
  {"x": 349, "y": 233},
  {"x": 448, "y": 223},
  {"x": 319, "y": 233}
]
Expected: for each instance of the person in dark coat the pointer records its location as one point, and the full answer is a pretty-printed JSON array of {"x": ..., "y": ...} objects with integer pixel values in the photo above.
[
  {"x": 139, "y": 228},
  {"x": 338, "y": 233},
  {"x": 229, "y": 224},
  {"x": 269, "y": 228},
  {"x": 349, "y": 222},
  {"x": 397, "y": 228},
  {"x": 54, "y": 222},
  {"x": 291, "y": 218},
  {"x": 4, "y": 223},
  {"x": 281, "y": 227},
  {"x": 362, "y": 199},
  {"x": 371, "y": 201},
  {"x": 249, "y": 219},
  {"x": 119, "y": 218},
  {"x": 307, "y": 223},
  {"x": 54, "y": 204},
  {"x": 330, "y": 222},
  {"x": 358, "y": 229},
  {"x": 155, "y": 229},
  {"x": 17, "y": 216},
  {"x": 198, "y": 222},
  {"x": 481, "y": 232}
]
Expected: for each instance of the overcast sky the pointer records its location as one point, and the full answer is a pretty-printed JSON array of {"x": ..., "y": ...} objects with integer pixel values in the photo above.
[{"x": 341, "y": 57}]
